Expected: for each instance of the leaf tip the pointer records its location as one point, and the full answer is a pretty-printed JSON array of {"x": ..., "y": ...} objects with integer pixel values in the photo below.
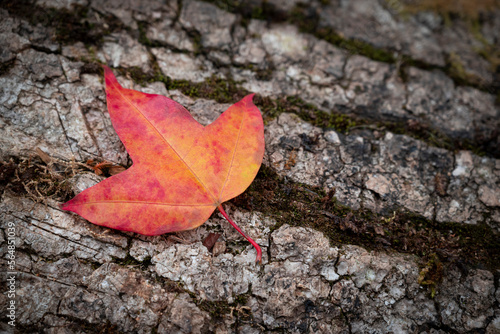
[
  {"x": 105, "y": 68},
  {"x": 63, "y": 206},
  {"x": 247, "y": 101},
  {"x": 68, "y": 206},
  {"x": 249, "y": 97},
  {"x": 109, "y": 76}
]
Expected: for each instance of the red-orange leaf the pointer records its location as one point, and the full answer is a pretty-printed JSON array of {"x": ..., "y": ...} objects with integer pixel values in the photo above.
[{"x": 182, "y": 170}]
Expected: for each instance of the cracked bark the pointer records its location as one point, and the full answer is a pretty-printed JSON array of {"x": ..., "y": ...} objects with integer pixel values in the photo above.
[{"x": 306, "y": 282}]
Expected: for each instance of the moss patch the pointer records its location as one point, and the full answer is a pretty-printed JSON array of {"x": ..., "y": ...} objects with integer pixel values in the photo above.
[
  {"x": 213, "y": 88},
  {"x": 456, "y": 70},
  {"x": 272, "y": 108},
  {"x": 130, "y": 261},
  {"x": 431, "y": 274},
  {"x": 219, "y": 309}
]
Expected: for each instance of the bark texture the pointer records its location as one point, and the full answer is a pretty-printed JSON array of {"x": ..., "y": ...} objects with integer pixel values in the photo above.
[{"x": 378, "y": 206}]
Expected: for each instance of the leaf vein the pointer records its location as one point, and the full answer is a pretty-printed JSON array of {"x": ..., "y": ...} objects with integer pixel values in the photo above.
[{"x": 232, "y": 158}]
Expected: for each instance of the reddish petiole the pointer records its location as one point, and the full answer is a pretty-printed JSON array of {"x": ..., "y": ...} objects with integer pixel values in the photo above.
[{"x": 257, "y": 247}]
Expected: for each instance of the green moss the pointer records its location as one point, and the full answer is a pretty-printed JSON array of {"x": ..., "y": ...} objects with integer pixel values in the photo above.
[
  {"x": 431, "y": 274},
  {"x": 130, "y": 261},
  {"x": 216, "y": 309},
  {"x": 456, "y": 68},
  {"x": 490, "y": 52},
  {"x": 214, "y": 88},
  {"x": 271, "y": 108},
  {"x": 241, "y": 299},
  {"x": 143, "y": 39},
  {"x": 355, "y": 46},
  {"x": 219, "y": 309},
  {"x": 196, "y": 40}
]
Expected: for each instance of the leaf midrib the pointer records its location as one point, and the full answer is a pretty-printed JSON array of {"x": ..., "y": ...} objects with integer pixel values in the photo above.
[{"x": 145, "y": 203}]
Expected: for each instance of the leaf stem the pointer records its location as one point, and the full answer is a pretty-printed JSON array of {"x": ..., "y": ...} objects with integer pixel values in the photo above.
[{"x": 257, "y": 247}]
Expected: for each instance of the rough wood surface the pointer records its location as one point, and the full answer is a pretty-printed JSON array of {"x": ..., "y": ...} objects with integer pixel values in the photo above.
[{"x": 378, "y": 206}]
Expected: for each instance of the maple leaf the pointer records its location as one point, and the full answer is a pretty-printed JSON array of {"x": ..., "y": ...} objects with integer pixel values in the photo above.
[{"x": 181, "y": 169}]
